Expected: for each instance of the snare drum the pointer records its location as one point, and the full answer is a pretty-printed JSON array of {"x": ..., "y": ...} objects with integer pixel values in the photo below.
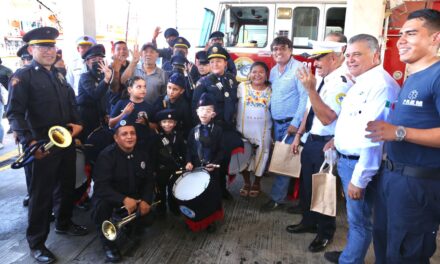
[
  {"x": 197, "y": 194},
  {"x": 240, "y": 158}
]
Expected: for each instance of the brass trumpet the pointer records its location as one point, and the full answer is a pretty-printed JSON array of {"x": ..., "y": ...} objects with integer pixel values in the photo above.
[
  {"x": 111, "y": 230},
  {"x": 58, "y": 136}
]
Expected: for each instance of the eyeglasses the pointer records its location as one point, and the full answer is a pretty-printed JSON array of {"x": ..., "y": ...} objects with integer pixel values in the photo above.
[{"x": 45, "y": 48}]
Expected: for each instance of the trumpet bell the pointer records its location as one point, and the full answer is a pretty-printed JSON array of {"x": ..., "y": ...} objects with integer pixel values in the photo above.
[
  {"x": 60, "y": 136},
  {"x": 109, "y": 230}
]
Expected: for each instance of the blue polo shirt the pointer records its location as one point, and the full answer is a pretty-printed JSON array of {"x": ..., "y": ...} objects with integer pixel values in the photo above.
[{"x": 418, "y": 106}]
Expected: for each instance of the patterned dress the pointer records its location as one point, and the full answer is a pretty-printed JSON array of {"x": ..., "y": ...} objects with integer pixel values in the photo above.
[{"x": 254, "y": 122}]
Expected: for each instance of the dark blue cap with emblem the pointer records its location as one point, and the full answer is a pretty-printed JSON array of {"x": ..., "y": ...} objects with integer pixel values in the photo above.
[
  {"x": 23, "y": 53},
  {"x": 171, "y": 32},
  {"x": 178, "y": 79},
  {"x": 206, "y": 100},
  {"x": 181, "y": 42},
  {"x": 178, "y": 59},
  {"x": 94, "y": 51},
  {"x": 166, "y": 114},
  {"x": 202, "y": 56},
  {"x": 217, "y": 51},
  {"x": 121, "y": 123},
  {"x": 43, "y": 36},
  {"x": 217, "y": 35}
]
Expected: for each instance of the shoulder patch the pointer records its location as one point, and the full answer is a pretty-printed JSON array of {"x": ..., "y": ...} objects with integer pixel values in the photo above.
[
  {"x": 14, "y": 81},
  {"x": 339, "y": 97}
]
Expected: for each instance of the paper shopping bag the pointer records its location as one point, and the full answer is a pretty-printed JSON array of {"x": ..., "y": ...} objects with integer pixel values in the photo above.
[
  {"x": 283, "y": 161},
  {"x": 324, "y": 191}
]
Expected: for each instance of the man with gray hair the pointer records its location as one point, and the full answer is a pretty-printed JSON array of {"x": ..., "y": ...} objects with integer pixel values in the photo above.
[{"x": 359, "y": 157}]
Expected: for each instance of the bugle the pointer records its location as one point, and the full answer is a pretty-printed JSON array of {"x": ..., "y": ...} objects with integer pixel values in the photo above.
[
  {"x": 58, "y": 136},
  {"x": 111, "y": 230}
]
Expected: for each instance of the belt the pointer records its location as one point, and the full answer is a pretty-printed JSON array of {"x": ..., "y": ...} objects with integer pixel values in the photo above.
[
  {"x": 313, "y": 137},
  {"x": 350, "y": 157},
  {"x": 418, "y": 172},
  {"x": 282, "y": 121}
]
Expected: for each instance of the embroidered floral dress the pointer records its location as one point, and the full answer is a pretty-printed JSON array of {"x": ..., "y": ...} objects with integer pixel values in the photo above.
[{"x": 254, "y": 122}]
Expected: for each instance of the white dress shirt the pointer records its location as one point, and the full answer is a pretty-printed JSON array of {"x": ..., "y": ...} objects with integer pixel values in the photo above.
[{"x": 365, "y": 101}]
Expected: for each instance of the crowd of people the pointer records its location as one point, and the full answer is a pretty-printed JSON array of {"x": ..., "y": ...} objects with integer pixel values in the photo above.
[{"x": 141, "y": 125}]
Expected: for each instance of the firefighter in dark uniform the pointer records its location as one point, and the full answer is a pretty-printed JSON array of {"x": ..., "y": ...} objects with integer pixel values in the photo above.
[
  {"x": 205, "y": 149},
  {"x": 175, "y": 99},
  {"x": 222, "y": 87},
  {"x": 216, "y": 37},
  {"x": 123, "y": 176},
  {"x": 24, "y": 55},
  {"x": 170, "y": 35},
  {"x": 171, "y": 149},
  {"x": 40, "y": 98},
  {"x": 202, "y": 63},
  {"x": 92, "y": 89},
  {"x": 180, "y": 63},
  {"x": 26, "y": 59}
]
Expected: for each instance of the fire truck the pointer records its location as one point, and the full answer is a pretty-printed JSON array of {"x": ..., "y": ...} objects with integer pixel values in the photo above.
[{"x": 251, "y": 25}]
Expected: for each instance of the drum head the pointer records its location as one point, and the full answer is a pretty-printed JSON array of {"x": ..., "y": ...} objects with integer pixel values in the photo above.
[
  {"x": 190, "y": 185},
  {"x": 240, "y": 158}
]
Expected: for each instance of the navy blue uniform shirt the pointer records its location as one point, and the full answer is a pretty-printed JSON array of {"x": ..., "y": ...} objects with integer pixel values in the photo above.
[
  {"x": 38, "y": 100},
  {"x": 418, "y": 106}
]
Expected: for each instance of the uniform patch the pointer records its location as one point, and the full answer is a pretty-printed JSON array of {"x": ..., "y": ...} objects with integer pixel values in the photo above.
[
  {"x": 14, "y": 81},
  {"x": 339, "y": 98},
  {"x": 226, "y": 94},
  {"x": 143, "y": 165}
]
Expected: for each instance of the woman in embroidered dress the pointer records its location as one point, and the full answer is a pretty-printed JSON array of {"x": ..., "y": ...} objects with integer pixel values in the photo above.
[{"x": 254, "y": 122}]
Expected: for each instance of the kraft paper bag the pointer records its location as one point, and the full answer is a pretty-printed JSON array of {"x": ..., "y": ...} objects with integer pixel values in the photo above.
[
  {"x": 283, "y": 161},
  {"x": 324, "y": 189}
]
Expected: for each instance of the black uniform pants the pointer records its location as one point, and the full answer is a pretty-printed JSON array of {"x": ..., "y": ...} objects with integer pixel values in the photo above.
[
  {"x": 56, "y": 169},
  {"x": 312, "y": 158},
  {"x": 165, "y": 182}
]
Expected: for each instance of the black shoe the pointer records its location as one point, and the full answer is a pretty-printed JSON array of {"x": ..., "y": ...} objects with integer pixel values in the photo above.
[
  {"x": 112, "y": 254},
  {"x": 319, "y": 244},
  {"x": 271, "y": 206},
  {"x": 301, "y": 228},
  {"x": 43, "y": 255},
  {"x": 73, "y": 230},
  {"x": 226, "y": 195},
  {"x": 26, "y": 200},
  {"x": 211, "y": 228},
  {"x": 295, "y": 210},
  {"x": 332, "y": 256}
]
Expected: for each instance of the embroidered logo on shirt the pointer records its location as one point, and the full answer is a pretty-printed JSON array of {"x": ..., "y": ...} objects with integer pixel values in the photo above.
[{"x": 339, "y": 98}]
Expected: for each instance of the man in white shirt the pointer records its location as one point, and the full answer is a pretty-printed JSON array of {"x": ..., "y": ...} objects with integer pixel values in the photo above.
[
  {"x": 317, "y": 128},
  {"x": 359, "y": 157},
  {"x": 78, "y": 66}
]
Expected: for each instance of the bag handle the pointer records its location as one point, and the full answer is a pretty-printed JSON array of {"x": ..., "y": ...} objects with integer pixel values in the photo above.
[
  {"x": 330, "y": 159},
  {"x": 284, "y": 138}
]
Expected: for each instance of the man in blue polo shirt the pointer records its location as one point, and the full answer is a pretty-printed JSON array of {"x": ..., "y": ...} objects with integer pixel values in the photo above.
[
  {"x": 407, "y": 208},
  {"x": 288, "y": 104}
]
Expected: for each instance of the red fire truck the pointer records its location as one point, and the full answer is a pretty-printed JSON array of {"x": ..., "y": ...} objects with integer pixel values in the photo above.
[{"x": 251, "y": 25}]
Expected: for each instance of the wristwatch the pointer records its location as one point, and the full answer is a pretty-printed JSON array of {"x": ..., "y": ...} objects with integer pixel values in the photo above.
[{"x": 400, "y": 133}]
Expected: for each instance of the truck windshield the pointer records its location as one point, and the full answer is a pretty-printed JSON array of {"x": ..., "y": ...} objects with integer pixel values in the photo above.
[{"x": 208, "y": 21}]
